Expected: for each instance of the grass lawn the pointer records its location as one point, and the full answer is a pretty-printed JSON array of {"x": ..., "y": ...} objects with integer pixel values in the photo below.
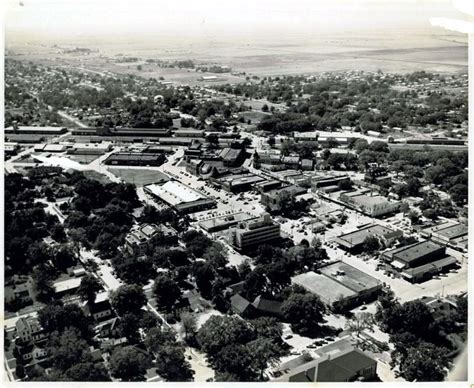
[
  {"x": 91, "y": 174},
  {"x": 83, "y": 159},
  {"x": 139, "y": 177}
]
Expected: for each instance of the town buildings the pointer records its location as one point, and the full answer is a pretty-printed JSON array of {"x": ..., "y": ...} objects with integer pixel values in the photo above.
[
  {"x": 340, "y": 282},
  {"x": 420, "y": 261},
  {"x": 251, "y": 233},
  {"x": 180, "y": 197},
  {"x": 372, "y": 205},
  {"x": 137, "y": 241},
  {"x": 354, "y": 241},
  {"x": 338, "y": 362}
]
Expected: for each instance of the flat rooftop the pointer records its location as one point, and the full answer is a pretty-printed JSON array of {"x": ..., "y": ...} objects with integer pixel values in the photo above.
[
  {"x": 225, "y": 220},
  {"x": 353, "y": 278},
  {"x": 452, "y": 231},
  {"x": 175, "y": 193},
  {"x": 434, "y": 266},
  {"x": 32, "y": 128},
  {"x": 410, "y": 253},
  {"x": 66, "y": 285},
  {"x": 230, "y": 153},
  {"x": 326, "y": 288},
  {"x": 367, "y": 200},
  {"x": 358, "y": 237},
  {"x": 241, "y": 179}
]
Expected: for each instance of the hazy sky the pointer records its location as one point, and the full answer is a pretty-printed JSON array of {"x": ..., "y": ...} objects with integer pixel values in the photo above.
[{"x": 74, "y": 18}]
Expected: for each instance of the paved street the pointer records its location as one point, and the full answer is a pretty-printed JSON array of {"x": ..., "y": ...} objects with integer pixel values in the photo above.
[{"x": 202, "y": 370}]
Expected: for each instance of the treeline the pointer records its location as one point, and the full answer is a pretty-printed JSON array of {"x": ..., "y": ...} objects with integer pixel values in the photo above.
[
  {"x": 366, "y": 104},
  {"x": 425, "y": 343}
]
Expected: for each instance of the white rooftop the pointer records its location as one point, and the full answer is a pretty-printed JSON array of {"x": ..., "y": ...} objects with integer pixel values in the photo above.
[
  {"x": 174, "y": 193},
  {"x": 65, "y": 285}
]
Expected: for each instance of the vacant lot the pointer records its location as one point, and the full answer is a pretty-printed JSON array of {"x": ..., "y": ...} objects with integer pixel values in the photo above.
[{"x": 139, "y": 177}]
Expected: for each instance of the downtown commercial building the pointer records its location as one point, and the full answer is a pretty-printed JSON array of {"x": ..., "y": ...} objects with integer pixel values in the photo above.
[
  {"x": 249, "y": 234},
  {"x": 180, "y": 197},
  {"x": 420, "y": 261},
  {"x": 340, "y": 282}
]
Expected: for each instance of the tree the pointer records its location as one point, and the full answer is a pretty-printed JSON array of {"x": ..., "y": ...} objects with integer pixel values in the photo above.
[
  {"x": 43, "y": 285},
  {"x": 158, "y": 337},
  {"x": 345, "y": 185},
  {"x": 64, "y": 257},
  {"x": 278, "y": 274},
  {"x": 416, "y": 318},
  {"x": 459, "y": 194},
  {"x": 213, "y": 139},
  {"x": 413, "y": 186},
  {"x": 414, "y": 217},
  {"x": 255, "y": 283},
  {"x": 424, "y": 362},
  {"x": 304, "y": 312},
  {"x": 387, "y": 311},
  {"x": 128, "y": 299},
  {"x": 316, "y": 242},
  {"x": 265, "y": 352},
  {"x": 172, "y": 365},
  {"x": 189, "y": 322},
  {"x": 204, "y": 277},
  {"x": 129, "y": 325},
  {"x": 236, "y": 360},
  {"x": 268, "y": 327},
  {"x": 360, "y": 145},
  {"x": 360, "y": 322},
  {"x": 379, "y": 146},
  {"x": 431, "y": 214},
  {"x": 68, "y": 349},
  {"x": 371, "y": 244},
  {"x": 166, "y": 292},
  {"x": 87, "y": 371},
  {"x": 244, "y": 268},
  {"x": 58, "y": 317},
  {"x": 88, "y": 288},
  {"x": 128, "y": 364},
  {"x": 216, "y": 256},
  {"x": 219, "y": 331},
  {"x": 148, "y": 321}
]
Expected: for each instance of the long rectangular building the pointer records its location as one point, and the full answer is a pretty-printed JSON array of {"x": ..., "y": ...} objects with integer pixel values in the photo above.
[
  {"x": 420, "y": 261},
  {"x": 372, "y": 205},
  {"x": 135, "y": 159},
  {"x": 340, "y": 282},
  {"x": 29, "y": 130},
  {"x": 354, "y": 241},
  {"x": 413, "y": 255},
  {"x": 180, "y": 197}
]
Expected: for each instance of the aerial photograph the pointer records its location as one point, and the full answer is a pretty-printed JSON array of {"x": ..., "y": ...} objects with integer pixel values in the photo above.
[{"x": 251, "y": 191}]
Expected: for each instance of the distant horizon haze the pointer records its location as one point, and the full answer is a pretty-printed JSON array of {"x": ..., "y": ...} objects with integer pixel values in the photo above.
[{"x": 272, "y": 21}]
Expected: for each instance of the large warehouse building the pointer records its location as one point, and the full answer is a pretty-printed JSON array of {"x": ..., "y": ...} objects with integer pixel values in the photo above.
[
  {"x": 180, "y": 197},
  {"x": 372, "y": 205},
  {"x": 354, "y": 241},
  {"x": 340, "y": 282},
  {"x": 419, "y": 261}
]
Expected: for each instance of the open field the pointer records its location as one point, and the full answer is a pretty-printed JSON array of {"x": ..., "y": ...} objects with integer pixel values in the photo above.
[
  {"x": 397, "y": 52},
  {"x": 139, "y": 177}
]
